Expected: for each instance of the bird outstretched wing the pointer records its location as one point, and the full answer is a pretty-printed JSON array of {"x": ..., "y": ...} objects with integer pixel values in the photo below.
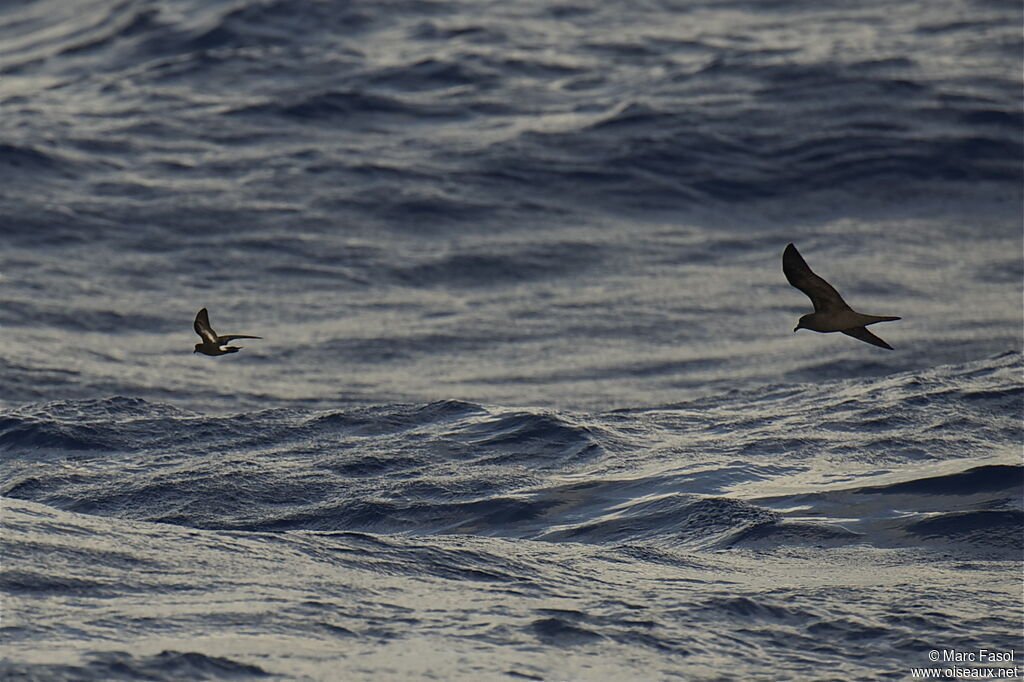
[
  {"x": 230, "y": 337},
  {"x": 202, "y": 327},
  {"x": 864, "y": 335},
  {"x": 823, "y": 296}
]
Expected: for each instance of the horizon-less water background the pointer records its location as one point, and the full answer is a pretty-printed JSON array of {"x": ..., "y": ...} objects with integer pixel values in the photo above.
[{"x": 528, "y": 403}]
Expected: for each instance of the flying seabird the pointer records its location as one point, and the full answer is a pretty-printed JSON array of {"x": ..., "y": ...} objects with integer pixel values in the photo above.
[
  {"x": 213, "y": 344},
  {"x": 831, "y": 314}
]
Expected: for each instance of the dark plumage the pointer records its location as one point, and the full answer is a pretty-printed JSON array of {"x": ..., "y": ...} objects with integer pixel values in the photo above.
[
  {"x": 213, "y": 344},
  {"x": 831, "y": 314}
]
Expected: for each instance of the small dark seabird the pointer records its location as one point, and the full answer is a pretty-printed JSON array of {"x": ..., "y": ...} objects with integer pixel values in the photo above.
[
  {"x": 831, "y": 314},
  {"x": 213, "y": 344}
]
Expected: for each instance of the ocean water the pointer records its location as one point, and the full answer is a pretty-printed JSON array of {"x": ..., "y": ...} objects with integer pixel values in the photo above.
[{"x": 528, "y": 404}]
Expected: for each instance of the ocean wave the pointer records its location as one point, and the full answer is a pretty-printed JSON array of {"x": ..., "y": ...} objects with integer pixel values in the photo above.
[
  {"x": 462, "y": 468},
  {"x": 349, "y": 105},
  {"x": 983, "y": 479},
  {"x": 972, "y": 510},
  {"x": 17, "y": 314},
  {"x": 793, "y": 127},
  {"x": 26, "y": 163},
  {"x": 657, "y": 150},
  {"x": 122, "y": 665},
  {"x": 679, "y": 519},
  {"x": 488, "y": 268}
]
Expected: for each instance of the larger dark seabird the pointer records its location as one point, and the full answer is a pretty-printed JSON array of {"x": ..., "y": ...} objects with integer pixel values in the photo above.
[
  {"x": 831, "y": 314},
  {"x": 213, "y": 344}
]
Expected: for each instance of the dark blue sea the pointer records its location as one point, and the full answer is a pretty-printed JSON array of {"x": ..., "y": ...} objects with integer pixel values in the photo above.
[{"x": 528, "y": 403}]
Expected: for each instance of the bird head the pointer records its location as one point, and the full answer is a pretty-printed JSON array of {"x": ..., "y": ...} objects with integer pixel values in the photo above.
[
  {"x": 801, "y": 323},
  {"x": 198, "y": 345}
]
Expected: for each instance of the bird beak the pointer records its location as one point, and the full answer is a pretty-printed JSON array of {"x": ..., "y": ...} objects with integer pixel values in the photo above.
[{"x": 796, "y": 329}]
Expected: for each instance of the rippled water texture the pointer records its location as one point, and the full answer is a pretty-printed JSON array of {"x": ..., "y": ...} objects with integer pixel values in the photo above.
[{"x": 528, "y": 404}]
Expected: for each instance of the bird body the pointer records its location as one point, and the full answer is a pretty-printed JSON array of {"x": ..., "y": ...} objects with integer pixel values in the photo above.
[
  {"x": 831, "y": 313},
  {"x": 839, "y": 320},
  {"x": 213, "y": 344}
]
